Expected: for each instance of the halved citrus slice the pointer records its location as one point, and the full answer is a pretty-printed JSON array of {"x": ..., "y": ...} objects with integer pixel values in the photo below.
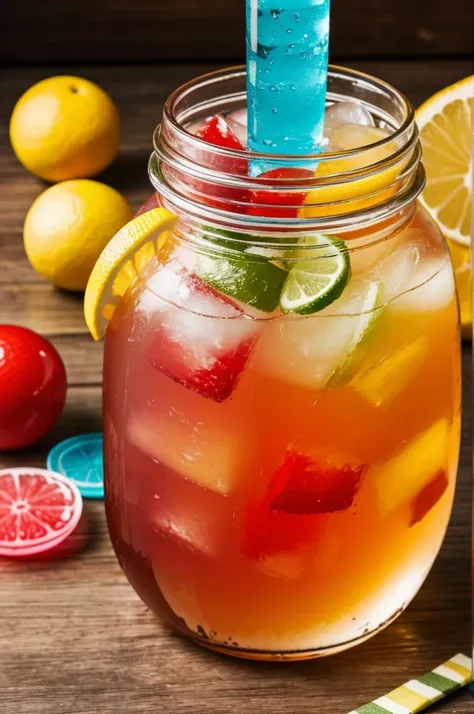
[
  {"x": 38, "y": 510},
  {"x": 315, "y": 283},
  {"x": 120, "y": 262},
  {"x": 445, "y": 123},
  {"x": 357, "y": 193}
]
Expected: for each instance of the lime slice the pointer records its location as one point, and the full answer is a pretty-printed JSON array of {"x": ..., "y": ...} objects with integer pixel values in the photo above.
[
  {"x": 252, "y": 278},
  {"x": 363, "y": 298},
  {"x": 314, "y": 283}
]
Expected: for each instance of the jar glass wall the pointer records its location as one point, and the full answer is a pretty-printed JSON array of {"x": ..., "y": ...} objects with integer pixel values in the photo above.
[{"x": 280, "y": 471}]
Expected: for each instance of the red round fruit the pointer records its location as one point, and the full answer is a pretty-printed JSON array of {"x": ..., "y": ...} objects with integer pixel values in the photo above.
[{"x": 32, "y": 387}]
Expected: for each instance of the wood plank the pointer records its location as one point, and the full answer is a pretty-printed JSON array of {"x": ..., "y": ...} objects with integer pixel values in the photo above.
[
  {"x": 189, "y": 30},
  {"x": 42, "y": 307},
  {"x": 82, "y": 357}
]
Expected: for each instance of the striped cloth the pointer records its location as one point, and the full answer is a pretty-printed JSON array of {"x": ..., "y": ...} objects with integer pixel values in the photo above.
[{"x": 417, "y": 694}]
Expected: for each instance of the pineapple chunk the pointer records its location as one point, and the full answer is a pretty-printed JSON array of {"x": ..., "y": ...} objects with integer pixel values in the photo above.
[
  {"x": 380, "y": 384},
  {"x": 407, "y": 474}
]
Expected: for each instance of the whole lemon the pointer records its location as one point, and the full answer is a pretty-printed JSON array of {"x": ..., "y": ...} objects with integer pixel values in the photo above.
[
  {"x": 67, "y": 228},
  {"x": 64, "y": 128}
]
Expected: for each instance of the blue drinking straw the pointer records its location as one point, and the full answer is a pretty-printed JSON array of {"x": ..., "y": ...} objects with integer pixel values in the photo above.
[{"x": 287, "y": 60}]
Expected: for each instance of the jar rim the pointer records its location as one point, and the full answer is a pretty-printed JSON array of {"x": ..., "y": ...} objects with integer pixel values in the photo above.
[
  {"x": 189, "y": 173},
  {"x": 239, "y": 71}
]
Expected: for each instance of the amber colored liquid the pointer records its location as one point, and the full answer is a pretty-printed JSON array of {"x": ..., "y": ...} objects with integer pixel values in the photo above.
[{"x": 187, "y": 479}]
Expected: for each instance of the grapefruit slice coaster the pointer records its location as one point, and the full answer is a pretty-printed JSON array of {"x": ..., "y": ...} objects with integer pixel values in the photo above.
[{"x": 38, "y": 510}]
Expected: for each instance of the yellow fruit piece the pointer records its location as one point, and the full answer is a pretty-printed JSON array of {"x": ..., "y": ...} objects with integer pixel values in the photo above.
[
  {"x": 359, "y": 190},
  {"x": 403, "y": 477},
  {"x": 446, "y": 132},
  {"x": 382, "y": 383},
  {"x": 119, "y": 264},
  {"x": 67, "y": 228},
  {"x": 64, "y": 128}
]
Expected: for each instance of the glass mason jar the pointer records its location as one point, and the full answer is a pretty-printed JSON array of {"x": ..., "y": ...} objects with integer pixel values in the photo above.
[{"x": 279, "y": 484}]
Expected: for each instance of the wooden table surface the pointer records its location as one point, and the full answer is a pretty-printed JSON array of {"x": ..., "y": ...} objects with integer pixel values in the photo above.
[{"x": 74, "y": 637}]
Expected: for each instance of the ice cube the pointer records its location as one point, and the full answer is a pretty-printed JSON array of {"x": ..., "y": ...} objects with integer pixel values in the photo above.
[
  {"x": 195, "y": 128},
  {"x": 238, "y": 123},
  {"x": 286, "y": 566},
  {"x": 307, "y": 351},
  {"x": 341, "y": 113},
  {"x": 356, "y": 136},
  {"x": 398, "y": 269},
  {"x": 413, "y": 278},
  {"x": 200, "y": 444},
  {"x": 188, "y": 516},
  {"x": 431, "y": 287},
  {"x": 239, "y": 116},
  {"x": 202, "y": 338},
  {"x": 185, "y": 532}
]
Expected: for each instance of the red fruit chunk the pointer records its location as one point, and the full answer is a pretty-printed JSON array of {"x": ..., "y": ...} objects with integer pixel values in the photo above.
[
  {"x": 302, "y": 486},
  {"x": 32, "y": 387},
  {"x": 275, "y": 202},
  {"x": 428, "y": 496},
  {"x": 217, "y": 382},
  {"x": 267, "y": 533},
  {"x": 216, "y": 131},
  {"x": 204, "y": 350}
]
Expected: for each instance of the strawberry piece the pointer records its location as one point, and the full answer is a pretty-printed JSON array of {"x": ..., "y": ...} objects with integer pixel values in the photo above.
[
  {"x": 204, "y": 346},
  {"x": 276, "y": 203},
  {"x": 428, "y": 496},
  {"x": 216, "y": 382},
  {"x": 302, "y": 486},
  {"x": 217, "y": 131},
  {"x": 267, "y": 533}
]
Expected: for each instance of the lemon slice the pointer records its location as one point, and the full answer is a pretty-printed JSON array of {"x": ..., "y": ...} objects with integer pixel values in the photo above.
[
  {"x": 445, "y": 123},
  {"x": 360, "y": 193},
  {"x": 120, "y": 262}
]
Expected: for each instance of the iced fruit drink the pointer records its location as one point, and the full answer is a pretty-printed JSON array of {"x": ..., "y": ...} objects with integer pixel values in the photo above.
[{"x": 281, "y": 404}]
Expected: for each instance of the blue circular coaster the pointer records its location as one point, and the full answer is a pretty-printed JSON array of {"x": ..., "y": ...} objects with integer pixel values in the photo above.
[{"x": 80, "y": 459}]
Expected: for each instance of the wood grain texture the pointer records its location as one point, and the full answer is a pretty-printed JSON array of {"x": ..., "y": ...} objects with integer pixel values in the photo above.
[
  {"x": 192, "y": 30},
  {"x": 74, "y": 637}
]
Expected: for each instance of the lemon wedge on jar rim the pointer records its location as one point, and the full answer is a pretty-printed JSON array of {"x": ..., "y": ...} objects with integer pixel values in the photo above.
[
  {"x": 445, "y": 122},
  {"x": 129, "y": 251}
]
